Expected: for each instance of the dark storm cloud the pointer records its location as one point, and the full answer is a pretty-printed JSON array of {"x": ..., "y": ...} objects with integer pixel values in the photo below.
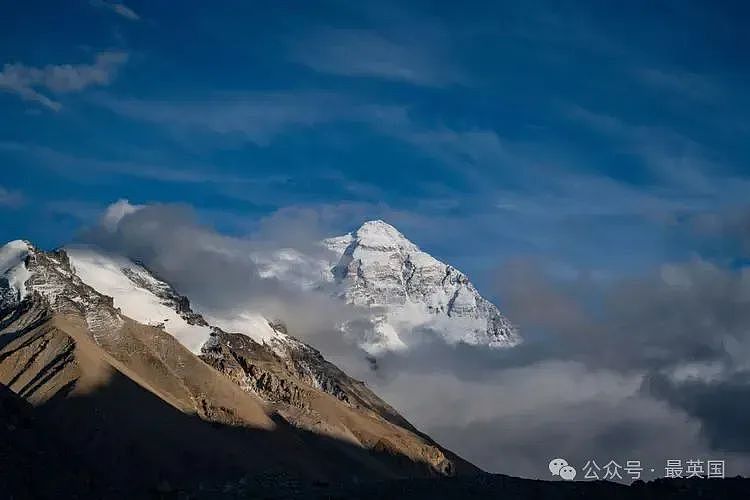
[{"x": 722, "y": 406}]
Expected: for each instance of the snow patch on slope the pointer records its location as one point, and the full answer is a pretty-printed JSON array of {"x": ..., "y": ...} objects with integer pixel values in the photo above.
[
  {"x": 108, "y": 274},
  {"x": 249, "y": 324}
]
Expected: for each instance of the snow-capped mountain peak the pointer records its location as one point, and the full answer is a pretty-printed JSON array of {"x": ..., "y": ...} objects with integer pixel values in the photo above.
[
  {"x": 142, "y": 296},
  {"x": 407, "y": 291},
  {"x": 84, "y": 321},
  {"x": 379, "y": 234}
]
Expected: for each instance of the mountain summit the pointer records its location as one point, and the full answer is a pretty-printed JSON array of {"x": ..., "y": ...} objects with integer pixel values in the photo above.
[
  {"x": 409, "y": 290},
  {"x": 406, "y": 293}
]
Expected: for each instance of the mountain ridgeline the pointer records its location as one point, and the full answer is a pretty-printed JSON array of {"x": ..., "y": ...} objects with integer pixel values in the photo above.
[{"x": 119, "y": 369}]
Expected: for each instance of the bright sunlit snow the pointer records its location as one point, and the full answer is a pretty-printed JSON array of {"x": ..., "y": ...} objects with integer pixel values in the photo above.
[
  {"x": 104, "y": 273},
  {"x": 12, "y": 266}
]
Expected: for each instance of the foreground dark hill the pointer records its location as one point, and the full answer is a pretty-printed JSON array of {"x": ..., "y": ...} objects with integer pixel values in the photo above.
[
  {"x": 496, "y": 486},
  {"x": 37, "y": 463}
]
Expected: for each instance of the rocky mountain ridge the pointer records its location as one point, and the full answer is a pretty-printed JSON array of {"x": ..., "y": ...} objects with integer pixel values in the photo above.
[{"x": 67, "y": 329}]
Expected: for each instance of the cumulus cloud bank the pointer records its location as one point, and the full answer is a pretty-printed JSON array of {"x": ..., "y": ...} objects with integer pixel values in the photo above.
[{"x": 650, "y": 368}]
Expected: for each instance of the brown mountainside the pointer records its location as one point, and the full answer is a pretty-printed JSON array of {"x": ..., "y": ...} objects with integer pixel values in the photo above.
[{"x": 143, "y": 412}]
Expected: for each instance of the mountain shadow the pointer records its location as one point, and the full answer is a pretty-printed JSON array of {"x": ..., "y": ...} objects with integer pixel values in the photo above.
[{"x": 120, "y": 441}]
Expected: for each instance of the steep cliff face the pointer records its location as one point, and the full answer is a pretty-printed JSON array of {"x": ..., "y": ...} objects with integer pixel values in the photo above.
[{"x": 119, "y": 360}]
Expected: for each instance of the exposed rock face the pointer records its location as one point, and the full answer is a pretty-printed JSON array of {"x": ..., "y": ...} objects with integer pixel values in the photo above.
[
  {"x": 292, "y": 374},
  {"x": 409, "y": 289},
  {"x": 255, "y": 369},
  {"x": 70, "y": 349}
]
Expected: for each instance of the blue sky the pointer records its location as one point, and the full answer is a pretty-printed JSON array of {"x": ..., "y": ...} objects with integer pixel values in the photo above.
[{"x": 599, "y": 140}]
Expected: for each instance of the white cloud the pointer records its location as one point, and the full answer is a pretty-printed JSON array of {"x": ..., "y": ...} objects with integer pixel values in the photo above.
[
  {"x": 548, "y": 173},
  {"x": 26, "y": 81},
  {"x": 674, "y": 159},
  {"x": 350, "y": 52},
  {"x": 116, "y": 211},
  {"x": 513, "y": 420},
  {"x": 118, "y": 8}
]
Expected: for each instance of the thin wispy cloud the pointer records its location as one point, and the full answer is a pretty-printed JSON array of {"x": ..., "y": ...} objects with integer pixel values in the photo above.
[
  {"x": 684, "y": 83},
  {"x": 10, "y": 198},
  {"x": 33, "y": 84},
  {"x": 120, "y": 9},
  {"x": 105, "y": 170},
  {"x": 256, "y": 117},
  {"x": 670, "y": 155},
  {"x": 367, "y": 53},
  {"x": 261, "y": 118},
  {"x": 546, "y": 176}
]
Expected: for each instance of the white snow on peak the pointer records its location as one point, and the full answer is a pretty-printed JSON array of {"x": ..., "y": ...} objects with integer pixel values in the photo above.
[
  {"x": 13, "y": 268},
  {"x": 106, "y": 273},
  {"x": 134, "y": 290},
  {"x": 406, "y": 290},
  {"x": 379, "y": 234}
]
